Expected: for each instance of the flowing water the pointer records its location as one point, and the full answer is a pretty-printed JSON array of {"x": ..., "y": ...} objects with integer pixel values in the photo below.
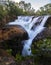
[{"x": 33, "y": 26}]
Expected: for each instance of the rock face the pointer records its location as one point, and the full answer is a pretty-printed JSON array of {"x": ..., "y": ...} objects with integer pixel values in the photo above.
[
  {"x": 48, "y": 22},
  {"x": 10, "y": 32},
  {"x": 46, "y": 33}
]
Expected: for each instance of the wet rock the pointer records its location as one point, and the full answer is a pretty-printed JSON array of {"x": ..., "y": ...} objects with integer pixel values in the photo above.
[
  {"x": 46, "y": 33},
  {"x": 48, "y": 22}
]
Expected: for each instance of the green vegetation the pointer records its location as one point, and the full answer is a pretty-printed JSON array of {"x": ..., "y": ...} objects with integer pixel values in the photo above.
[
  {"x": 39, "y": 54},
  {"x": 9, "y": 51},
  {"x": 46, "y": 10},
  {"x": 10, "y": 11},
  {"x": 43, "y": 47}
]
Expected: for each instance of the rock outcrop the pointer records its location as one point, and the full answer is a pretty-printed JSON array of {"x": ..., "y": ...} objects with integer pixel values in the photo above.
[
  {"x": 46, "y": 33},
  {"x": 48, "y": 22},
  {"x": 11, "y": 37},
  {"x": 9, "y": 32}
]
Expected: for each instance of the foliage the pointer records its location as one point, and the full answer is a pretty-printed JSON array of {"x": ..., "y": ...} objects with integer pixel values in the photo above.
[
  {"x": 19, "y": 58},
  {"x": 13, "y": 10},
  {"x": 25, "y": 6},
  {"x": 10, "y": 11},
  {"x": 46, "y": 10},
  {"x": 43, "y": 47},
  {"x": 9, "y": 51},
  {"x": 24, "y": 60},
  {"x": 3, "y": 12},
  {"x": 3, "y": 15}
]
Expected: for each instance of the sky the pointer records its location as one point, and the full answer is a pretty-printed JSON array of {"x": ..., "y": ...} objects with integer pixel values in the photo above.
[{"x": 36, "y": 4}]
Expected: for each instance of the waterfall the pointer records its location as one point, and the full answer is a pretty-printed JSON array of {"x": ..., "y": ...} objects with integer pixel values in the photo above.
[{"x": 27, "y": 23}]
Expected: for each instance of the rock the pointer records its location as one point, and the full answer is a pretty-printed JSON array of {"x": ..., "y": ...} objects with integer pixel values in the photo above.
[
  {"x": 46, "y": 33},
  {"x": 6, "y": 59},
  {"x": 11, "y": 37},
  {"x": 48, "y": 22},
  {"x": 9, "y": 32},
  {"x": 3, "y": 53}
]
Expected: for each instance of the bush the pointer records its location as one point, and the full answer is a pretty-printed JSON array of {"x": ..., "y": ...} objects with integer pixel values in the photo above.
[{"x": 43, "y": 47}]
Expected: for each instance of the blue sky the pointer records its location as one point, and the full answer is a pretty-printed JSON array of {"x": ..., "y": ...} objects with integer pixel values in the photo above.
[{"x": 36, "y": 4}]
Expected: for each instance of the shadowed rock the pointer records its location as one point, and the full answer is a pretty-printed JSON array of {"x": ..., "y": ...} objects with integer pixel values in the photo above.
[
  {"x": 46, "y": 33},
  {"x": 48, "y": 22}
]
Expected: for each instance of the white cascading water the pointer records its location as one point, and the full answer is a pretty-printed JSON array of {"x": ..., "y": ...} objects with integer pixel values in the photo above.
[{"x": 27, "y": 23}]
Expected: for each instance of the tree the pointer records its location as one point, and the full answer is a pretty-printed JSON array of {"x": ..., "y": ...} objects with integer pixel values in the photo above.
[
  {"x": 21, "y": 4},
  {"x": 46, "y": 10},
  {"x": 24, "y": 6},
  {"x": 48, "y": 6},
  {"x": 29, "y": 6},
  {"x": 42, "y": 8}
]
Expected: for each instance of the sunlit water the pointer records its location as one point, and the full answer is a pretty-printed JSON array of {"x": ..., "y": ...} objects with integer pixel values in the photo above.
[{"x": 27, "y": 22}]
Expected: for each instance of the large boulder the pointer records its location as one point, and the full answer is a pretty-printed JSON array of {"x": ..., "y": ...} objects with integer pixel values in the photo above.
[
  {"x": 9, "y": 32},
  {"x": 11, "y": 37}
]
